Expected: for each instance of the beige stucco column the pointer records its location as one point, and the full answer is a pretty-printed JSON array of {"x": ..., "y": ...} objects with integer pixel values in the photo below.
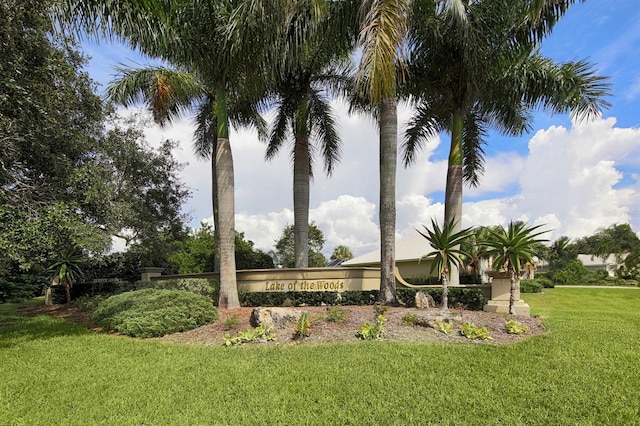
[
  {"x": 148, "y": 272},
  {"x": 500, "y": 294}
]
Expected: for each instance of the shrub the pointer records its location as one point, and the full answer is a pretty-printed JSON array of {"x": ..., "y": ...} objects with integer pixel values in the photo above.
[
  {"x": 470, "y": 298},
  {"x": 152, "y": 312},
  {"x": 444, "y": 327},
  {"x": 472, "y": 331},
  {"x": 410, "y": 319},
  {"x": 546, "y": 282},
  {"x": 201, "y": 286},
  {"x": 336, "y": 314},
  {"x": 515, "y": 327},
  {"x": 530, "y": 286},
  {"x": 373, "y": 331},
  {"x": 231, "y": 322},
  {"x": 17, "y": 288}
]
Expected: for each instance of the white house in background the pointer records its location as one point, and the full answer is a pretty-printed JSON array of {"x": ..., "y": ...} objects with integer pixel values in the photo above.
[
  {"x": 594, "y": 263},
  {"x": 408, "y": 254}
]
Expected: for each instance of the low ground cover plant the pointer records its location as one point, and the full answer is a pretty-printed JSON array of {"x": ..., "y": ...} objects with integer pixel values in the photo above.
[
  {"x": 516, "y": 327},
  {"x": 336, "y": 314},
  {"x": 472, "y": 331},
  {"x": 262, "y": 333},
  {"x": 153, "y": 313}
]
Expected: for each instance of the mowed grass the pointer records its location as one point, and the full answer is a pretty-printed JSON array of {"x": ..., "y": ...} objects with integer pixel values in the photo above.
[{"x": 584, "y": 371}]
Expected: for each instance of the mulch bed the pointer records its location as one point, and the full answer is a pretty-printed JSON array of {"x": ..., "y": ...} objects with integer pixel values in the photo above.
[{"x": 324, "y": 331}]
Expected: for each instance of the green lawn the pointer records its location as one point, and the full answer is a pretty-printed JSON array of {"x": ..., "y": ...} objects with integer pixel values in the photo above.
[{"x": 584, "y": 371}]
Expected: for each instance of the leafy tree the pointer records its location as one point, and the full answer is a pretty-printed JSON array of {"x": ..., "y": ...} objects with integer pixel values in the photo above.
[
  {"x": 71, "y": 174},
  {"x": 448, "y": 251},
  {"x": 511, "y": 249},
  {"x": 196, "y": 253},
  {"x": 616, "y": 239},
  {"x": 483, "y": 70},
  {"x": 341, "y": 252},
  {"x": 562, "y": 253},
  {"x": 284, "y": 253}
]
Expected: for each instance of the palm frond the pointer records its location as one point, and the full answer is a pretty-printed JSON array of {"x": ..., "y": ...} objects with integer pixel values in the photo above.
[
  {"x": 447, "y": 245},
  {"x": 381, "y": 39},
  {"x": 324, "y": 130},
  {"x": 168, "y": 93}
]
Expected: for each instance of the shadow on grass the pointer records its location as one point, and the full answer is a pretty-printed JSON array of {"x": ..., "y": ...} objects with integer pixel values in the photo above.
[{"x": 17, "y": 327}]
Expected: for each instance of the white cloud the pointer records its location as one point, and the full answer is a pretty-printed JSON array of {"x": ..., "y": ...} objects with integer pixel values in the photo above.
[{"x": 572, "y": 179}]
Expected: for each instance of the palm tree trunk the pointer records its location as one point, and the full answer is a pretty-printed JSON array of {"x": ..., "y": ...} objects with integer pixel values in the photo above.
[
  {"x": 512, "y": 294},
  {"x": 301, "y": 174},
  {"x": 445, "y": 292},
  {"x": 388, "y": 157},
  {"x": 453, "y": 192},
  {"x": 214, "y": 202},
  {"x": 226, "y": 208}
]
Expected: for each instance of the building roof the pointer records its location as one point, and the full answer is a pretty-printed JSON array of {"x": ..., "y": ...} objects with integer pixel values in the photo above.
[
  {"x": 589, "y": 260},
  {"x": 407, "y": 250}
]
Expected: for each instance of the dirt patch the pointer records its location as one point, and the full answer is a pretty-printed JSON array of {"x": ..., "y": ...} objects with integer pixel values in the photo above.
[{"x": 325, "y": 331}]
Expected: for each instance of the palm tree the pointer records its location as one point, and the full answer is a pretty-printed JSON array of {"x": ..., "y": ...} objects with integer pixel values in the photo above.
[
  {"x": 512, "y": 249},
  {"x": 447, "y": 252},
  {"x": 484, "y": 71},
  {"x": 171, "y": 93},
  {"x": 382, "y": 37},
  {"x": 341, "y": 252},
  {"x": 225, "y": 43},
  {"x": 301, "y": 95},
  {"x": 66, "y": 271}
]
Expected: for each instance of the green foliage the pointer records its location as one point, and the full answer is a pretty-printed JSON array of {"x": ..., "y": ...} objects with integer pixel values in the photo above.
[
  {"x": 201, "y": 286},
  {"x": 472, "y": 331},
  {"x": 546, "y": 282},
  {"x": 515, "y": 327},
  {"x": 513, "y": 247},
  {"x": 410, "y": 319},
  {"x": 19, "y": 287},
  {"x": 151, "y": 312},
  {"x": 341, "y": 252},
  {"x": 373, "y": 331},
  {"x": 530, "y": 286},
  {"x": 468, "y": 298},
  {"x": 284, "y": 248},
  {"x": 303, "y": 326},
  {"x": 262, "y": 333},
  {"x": 433, "y": 280},
  {"x": 447, "y": 246},
  {"x": 444, "y": 327},
  {"x": 336, "y": 314},
  {"x": 380, "y": 309},
  {"x": 196, "y": 253},
  {"x": 573, "y": 273},
  {"x": 231, "y": 322}
]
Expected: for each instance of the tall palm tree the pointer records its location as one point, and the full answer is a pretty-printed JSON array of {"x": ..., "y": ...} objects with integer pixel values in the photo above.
[
  {"x": 512, "y": 249},
  {"x": 172, "y": 93},
  {"x": 224, "y": 43},
  {"x": 302, "y": 86},
  {"x": 484, "y": 71},
  {"x": 382, "y": 38},
  {"x": 448, "y": 252}
]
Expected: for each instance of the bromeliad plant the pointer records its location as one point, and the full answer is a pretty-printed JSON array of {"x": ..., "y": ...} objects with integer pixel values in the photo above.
[
  {"x": 447, "y": 252},
  {"x": 512, "y": 249}
]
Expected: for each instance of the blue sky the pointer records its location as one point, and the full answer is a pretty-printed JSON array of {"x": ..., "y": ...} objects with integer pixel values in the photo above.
[{"x": 573, "y": 178}]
